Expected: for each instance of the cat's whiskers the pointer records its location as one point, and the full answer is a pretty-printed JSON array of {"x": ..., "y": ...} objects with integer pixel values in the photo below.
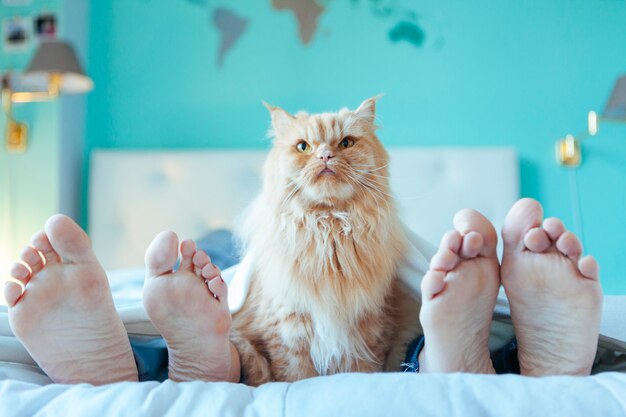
[
  {"x": 359, "y": 174},
  {"x": 359, "y": 180},
  {"x": 370, "y": 181},
  {"x": 371, "y": 184},
  {"x": 377, "y": 198},
  {"x": 384, "y": 177},
  {"x": 370, "y": 165},
  {"x": 365, "y": 192},
  {"x": 291, "y": 194},
  {"x": 366, "y": 184},
  {"x": 376, "y": 192},
  {"x": 380, "y": 167},
  {"x": 289, "y": 184},
  {"x": 296, "y": 183}
]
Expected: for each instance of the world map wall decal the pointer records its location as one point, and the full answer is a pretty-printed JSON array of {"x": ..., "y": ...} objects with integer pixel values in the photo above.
[{"x": 231, "y": 26}]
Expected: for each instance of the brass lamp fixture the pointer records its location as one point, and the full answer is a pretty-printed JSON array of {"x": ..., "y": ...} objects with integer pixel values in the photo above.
[
  {"x": 53, "y": 70},
  {"x": 568, "y": 151}
]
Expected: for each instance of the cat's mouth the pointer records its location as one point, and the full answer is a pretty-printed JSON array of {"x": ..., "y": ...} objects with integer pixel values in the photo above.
[{"x": 327, "y": 171}]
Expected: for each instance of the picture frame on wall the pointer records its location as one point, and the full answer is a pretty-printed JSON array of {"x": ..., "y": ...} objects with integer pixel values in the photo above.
[
  {"x": 45, "y": 26},
  {"x": 16, "y": 34}
]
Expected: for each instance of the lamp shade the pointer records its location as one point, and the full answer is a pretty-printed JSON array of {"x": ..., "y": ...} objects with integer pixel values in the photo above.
[
  {"x": 57, "y": 57},
  {"x": 616, "y": 106}
]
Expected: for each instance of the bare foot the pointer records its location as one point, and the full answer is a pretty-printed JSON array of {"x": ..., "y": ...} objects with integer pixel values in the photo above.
[
  {"x": 189, "y": 307},
  {"x": 458, "y": 297},
  {"x": 555, "y": 295},
  {"x": 65, "y": 316}
]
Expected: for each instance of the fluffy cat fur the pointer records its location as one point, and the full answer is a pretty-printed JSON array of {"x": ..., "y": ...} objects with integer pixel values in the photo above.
[{"x": 324, "y": 294}]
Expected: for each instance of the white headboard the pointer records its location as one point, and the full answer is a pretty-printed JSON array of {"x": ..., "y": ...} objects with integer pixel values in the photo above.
[{"x": 133, "y": 195}]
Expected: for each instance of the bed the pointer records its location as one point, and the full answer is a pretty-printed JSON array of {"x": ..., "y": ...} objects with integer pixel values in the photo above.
[{"x": 135, "y": 194}]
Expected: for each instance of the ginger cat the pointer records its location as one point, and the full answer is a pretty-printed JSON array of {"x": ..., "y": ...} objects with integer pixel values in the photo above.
[{"x": 327, "y": 243}]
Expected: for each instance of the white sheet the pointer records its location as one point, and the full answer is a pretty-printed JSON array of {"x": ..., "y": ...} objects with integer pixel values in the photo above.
[
  {"x": 339, "y": 395},
  {"x": 25, "y": 391}
]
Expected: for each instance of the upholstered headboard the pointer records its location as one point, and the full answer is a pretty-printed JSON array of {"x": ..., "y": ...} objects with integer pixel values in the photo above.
[{"x": 135, "y": 194}]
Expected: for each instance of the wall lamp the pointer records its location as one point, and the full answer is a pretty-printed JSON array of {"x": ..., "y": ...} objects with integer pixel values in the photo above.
[
  {"x": 54, "y": 70},
  {"x": 568, "y": 152}
]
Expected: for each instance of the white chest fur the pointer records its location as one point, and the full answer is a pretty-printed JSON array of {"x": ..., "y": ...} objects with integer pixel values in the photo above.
[{"x": 328, "y": 277}]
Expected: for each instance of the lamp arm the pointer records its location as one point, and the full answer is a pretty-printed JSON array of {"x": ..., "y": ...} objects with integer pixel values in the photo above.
[
  {"x": 54, "y": 86},
  {"x": 16, "y": 133},
  {"x": 6, "y": 95}
]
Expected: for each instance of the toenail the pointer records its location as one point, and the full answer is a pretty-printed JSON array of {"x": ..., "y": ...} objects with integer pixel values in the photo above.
[{"x": 14, "y": 281}]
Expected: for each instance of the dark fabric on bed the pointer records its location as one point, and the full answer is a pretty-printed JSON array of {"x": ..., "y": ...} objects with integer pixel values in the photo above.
[
  {"x": 411, "y": 361},
  {"x": 220, "y": 246},
  {"x": 504, "y": 359},
  {"x": 151, "y": 358}
]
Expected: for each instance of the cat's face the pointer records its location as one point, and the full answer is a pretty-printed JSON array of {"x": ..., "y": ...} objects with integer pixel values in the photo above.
[{"x": 328, "y": 158}]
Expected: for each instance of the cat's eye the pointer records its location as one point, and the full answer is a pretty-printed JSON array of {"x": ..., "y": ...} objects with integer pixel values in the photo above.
[
  {"x": 346, "y": 143},
  {"x": 303, "y": 147}
]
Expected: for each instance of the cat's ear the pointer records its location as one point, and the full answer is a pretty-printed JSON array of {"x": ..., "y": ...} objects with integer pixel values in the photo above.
[
  {"x": 280, "y": 118},
  {"x": 367, "y": 109}
]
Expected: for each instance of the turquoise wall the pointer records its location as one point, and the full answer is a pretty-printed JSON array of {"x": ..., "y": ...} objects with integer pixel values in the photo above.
[{"x": 489, "y": 72}]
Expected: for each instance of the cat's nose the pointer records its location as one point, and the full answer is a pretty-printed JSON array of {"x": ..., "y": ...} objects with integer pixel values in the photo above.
[{"x": 326, "y": 155}]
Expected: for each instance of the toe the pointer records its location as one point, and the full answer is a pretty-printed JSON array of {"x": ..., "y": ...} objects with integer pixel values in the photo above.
[
  {"x": 210, "y": 271},
  {"x": 472, "y": 245},
  {"x": 432, "y": 284},
  {"x": 569, "y": 245},
  {"x": 554, "y": 228},
  {"x": 68, "y": 240},
  {"x": 218, "y": 288},
  {"x": 41, "y": 243},
  {"x": 12, "y": 292},
  {"x": 444, "y": 260},
  {"x": 589, "y": 268},
  {"x": 537, "y": 240},
  {"x": 200, "y": 260},
  {"x": 162, "y": 254},
  {"x": 468, "y": 220},
  {"x": 451, "y": 240},
  {"x": 14, "y": 288},
  {"x": 525, "y": 214},
  {"x": 33, "y": 258},
  {"x": 187, "y": 250},
  {"x": 20, "y": 272}
]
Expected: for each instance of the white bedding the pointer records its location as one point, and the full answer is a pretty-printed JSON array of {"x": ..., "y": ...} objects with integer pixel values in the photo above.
[
  {"x": 26, "y": 391},
  {"x": 340, "y": 395}
]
